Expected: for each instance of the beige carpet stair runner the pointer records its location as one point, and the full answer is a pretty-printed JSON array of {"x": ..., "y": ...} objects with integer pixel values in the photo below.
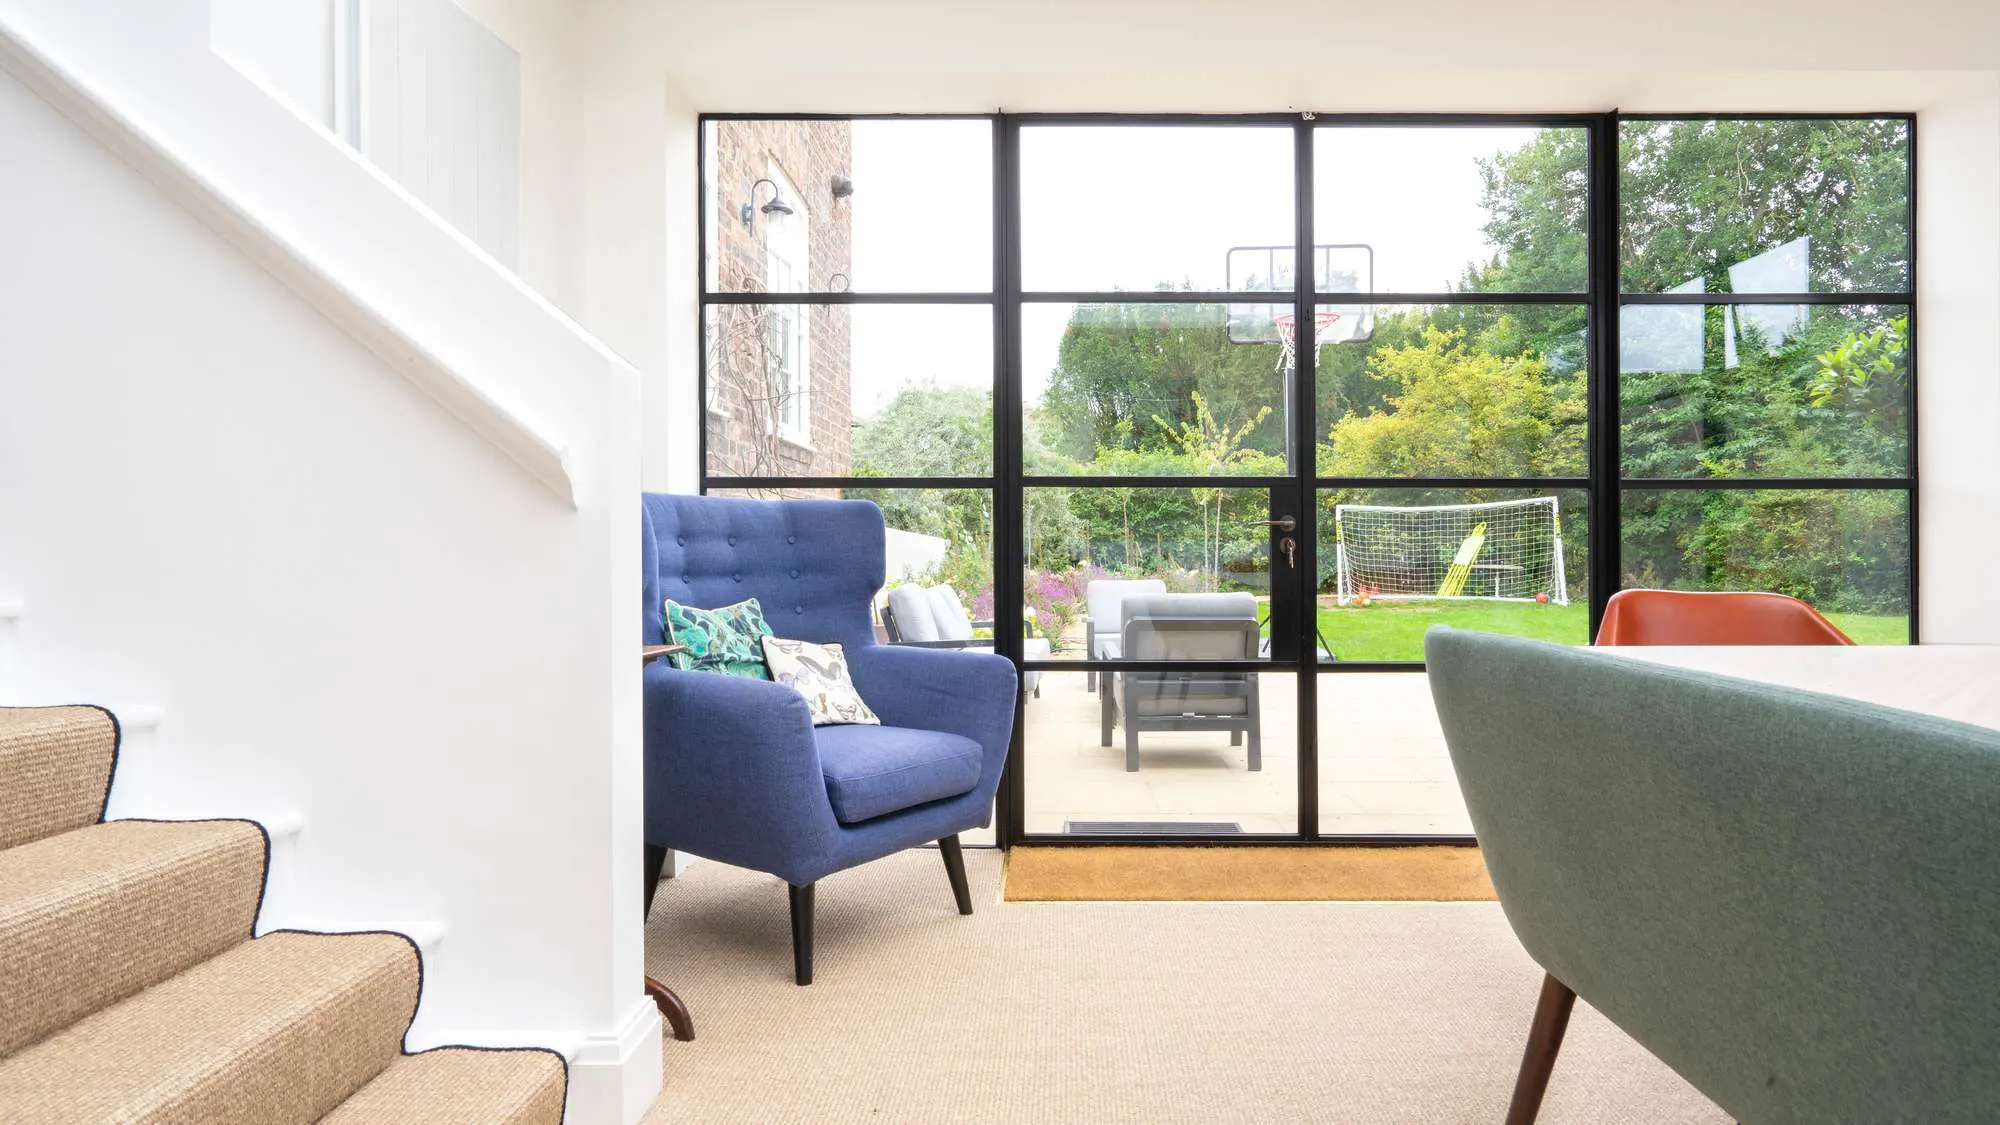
[{"x": 132, "y": 990}]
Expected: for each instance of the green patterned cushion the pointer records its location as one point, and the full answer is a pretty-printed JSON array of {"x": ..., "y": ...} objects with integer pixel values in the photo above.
[{"x": 722, "y": 640}]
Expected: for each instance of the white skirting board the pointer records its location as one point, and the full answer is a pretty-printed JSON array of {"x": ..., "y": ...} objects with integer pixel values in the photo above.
[{"x": 614, "y": 1075}]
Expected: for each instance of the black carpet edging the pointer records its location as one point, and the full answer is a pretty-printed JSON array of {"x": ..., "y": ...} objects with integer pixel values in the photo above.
[
  {"x": 263, "y": 893},
  {"x": 404, "y": 1047}
]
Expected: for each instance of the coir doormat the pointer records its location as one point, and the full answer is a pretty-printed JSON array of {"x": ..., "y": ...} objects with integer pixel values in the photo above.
[{"x": 1246, "y": 874}]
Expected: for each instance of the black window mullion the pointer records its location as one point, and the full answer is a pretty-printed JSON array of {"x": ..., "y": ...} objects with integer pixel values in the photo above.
[
  {"x": 1304, "y": 430},
  {"x": 1009, "y": 505},
  {"x": 1910, "y": 383},
  {"x": 1603, "y": 409}
]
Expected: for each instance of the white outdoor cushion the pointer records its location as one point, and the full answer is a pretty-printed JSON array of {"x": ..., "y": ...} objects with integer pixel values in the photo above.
[
  {"x": 948, "y": 615},
  {"x": 1103, "y": 597},
  {"x": 911, "y": 606}
]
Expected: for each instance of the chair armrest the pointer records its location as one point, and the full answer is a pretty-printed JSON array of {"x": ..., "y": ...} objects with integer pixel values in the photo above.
[
  {"x": 965, "y": 693},
  {"x": 731, "y": 770}
]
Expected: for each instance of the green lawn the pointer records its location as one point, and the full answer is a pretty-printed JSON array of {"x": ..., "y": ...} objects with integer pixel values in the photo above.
[{"x": 1395, "y": 630}]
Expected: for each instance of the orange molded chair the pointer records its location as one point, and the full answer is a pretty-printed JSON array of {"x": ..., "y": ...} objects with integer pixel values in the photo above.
[{"x": 1683, "y": 617}]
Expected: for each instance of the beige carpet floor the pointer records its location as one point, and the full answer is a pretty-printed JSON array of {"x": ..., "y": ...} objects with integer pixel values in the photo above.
[{"x": 1114, "y": 1012}]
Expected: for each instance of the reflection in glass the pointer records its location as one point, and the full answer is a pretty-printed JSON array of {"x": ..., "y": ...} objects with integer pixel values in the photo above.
[
  {"x": 1394, "y": 562},
  {"x": 1764, "y": 390},
  {"x": 1456, "y": 390},
  {"x": 873, "y": 205},
  {"x": 1487, "y": 209},
  {"x": 1766, "y": 206},
  {"x": 1138, "y": 389},
  {"x": 1136, "y": 207},
  {"x": 838, "y": 390},
  {"x": 1845, "y": 553}
]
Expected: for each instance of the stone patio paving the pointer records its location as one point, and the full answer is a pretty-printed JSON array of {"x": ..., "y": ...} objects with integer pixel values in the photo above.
[{"x": 1383, "y": 765}]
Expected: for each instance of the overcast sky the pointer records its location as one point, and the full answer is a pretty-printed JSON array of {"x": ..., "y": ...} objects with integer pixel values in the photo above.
[{"x": 1130, "y": 207}]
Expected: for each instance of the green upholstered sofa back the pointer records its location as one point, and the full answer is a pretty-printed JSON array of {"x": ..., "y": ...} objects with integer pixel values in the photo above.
[{"x": 1792, "y": 899}]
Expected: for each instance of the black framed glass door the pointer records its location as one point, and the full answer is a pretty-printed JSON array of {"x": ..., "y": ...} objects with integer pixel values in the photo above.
[{"x": 1212, "y": 416}]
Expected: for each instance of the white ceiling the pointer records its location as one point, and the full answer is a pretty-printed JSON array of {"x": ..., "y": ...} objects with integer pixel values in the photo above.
[{"x": 804, "y": 55}]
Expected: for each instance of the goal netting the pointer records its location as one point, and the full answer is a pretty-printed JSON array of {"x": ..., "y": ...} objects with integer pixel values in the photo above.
[{"x": 1507, "y": 550}]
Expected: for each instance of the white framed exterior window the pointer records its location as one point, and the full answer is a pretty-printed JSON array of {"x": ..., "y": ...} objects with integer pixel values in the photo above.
[{"x": 787, "y": 268}]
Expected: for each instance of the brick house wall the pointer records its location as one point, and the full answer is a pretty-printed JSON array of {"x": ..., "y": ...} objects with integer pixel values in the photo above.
[{"x": 743, "y": 437}]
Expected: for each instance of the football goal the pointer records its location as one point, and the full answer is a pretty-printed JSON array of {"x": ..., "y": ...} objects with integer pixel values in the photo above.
[{"x": 1507, "y": 550}]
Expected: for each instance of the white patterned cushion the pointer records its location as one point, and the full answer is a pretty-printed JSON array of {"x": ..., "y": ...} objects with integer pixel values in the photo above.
[{"x": 818, "y": 672}]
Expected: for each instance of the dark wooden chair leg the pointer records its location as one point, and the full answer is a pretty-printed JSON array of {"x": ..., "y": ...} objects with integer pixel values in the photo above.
[
  {"x": 802, "y": 933},
  {"x": 672, "y": 1009},
  {"x": 1545, "y": 1038},
  {"x": 954, "y": 869}
]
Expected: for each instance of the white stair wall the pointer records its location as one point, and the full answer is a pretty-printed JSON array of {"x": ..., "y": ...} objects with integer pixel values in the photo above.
[{"x": 293, "y": 464}]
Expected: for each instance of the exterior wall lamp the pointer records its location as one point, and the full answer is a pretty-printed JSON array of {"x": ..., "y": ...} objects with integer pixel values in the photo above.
[{"x": 777, "y": 205}]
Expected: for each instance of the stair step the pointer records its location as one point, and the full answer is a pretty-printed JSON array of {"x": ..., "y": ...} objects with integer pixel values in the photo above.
[
  {"x": 92, "y": 916},
  {"x": 461, "y": 1086},
  {"x": 276, "y": 1031},
  {"x": 55, "y": 770}
]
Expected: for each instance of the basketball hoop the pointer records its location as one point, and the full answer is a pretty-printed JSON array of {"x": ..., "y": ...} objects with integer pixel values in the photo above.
[{"x": 1287, "y": 323}]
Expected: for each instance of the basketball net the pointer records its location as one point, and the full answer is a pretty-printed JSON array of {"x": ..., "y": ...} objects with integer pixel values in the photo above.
[{"x": 1287, "y": 323}]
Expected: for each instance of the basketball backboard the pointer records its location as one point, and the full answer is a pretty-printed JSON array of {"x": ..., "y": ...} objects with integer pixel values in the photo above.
[{"x": 1337, "y": 268}]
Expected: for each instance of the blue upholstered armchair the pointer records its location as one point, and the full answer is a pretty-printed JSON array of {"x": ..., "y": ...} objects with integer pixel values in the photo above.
[{"x": 735, "y": 770}]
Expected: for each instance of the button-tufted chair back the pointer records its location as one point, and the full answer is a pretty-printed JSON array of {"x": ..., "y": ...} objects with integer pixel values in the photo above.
[{"x": 813, "y": 565}]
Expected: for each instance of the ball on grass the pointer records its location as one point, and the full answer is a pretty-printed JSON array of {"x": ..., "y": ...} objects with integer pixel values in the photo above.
[{"x": 1542, "y": 598}]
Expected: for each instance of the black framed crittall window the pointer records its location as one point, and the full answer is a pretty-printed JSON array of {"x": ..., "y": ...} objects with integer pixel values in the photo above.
[{"x": 1203, "y": 420}]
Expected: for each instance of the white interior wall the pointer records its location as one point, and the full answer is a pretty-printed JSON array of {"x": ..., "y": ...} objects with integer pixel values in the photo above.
[
  {"x": 1958, "y": 363},
  {"x": 299, "y": 473},
  {"x": 286, "y": 44},
  {"x": 439, "y": 110}
]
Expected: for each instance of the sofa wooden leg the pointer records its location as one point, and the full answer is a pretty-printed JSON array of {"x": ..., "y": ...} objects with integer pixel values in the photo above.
[
  {"x": 802, "y": 933},
  {"x": 954, "y": 869},
  {"x": 1545, "y": 1038}
]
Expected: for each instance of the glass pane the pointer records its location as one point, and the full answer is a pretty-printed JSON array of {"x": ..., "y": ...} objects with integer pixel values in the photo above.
[
  {"x": 1764, "y": 390},
  {"x": 1394, "y": 562},
  {"x": 1765, "y": 206},
  {"x": 867, "y": 206},
  {"x": 1847, "y": 554},
  {"x": 1090, "y": 550},
  {"x": 834, "y": 390},
  {"x": 1383, "y": 766},
  {"x": 1456, "y": 390},
  {"x": 936, "y": 537},
  {"x": 1162, "y": 752},
  {"x": 1148, "y": 390},
  {"x": 1136, "y": 207},
  {"x": 1473, "y": 209}
]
